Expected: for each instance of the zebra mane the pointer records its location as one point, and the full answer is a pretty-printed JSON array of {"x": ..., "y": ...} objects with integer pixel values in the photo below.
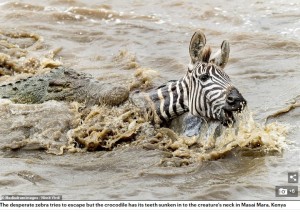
[{"x": 206, "y": 54}]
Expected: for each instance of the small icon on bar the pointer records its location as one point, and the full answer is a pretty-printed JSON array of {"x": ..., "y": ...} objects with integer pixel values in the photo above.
[
  {"x": 293, "y": 177},
  {"x": 286, "y": 191}
]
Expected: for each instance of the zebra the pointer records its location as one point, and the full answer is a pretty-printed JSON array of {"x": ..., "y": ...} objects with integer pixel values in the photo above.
[{"x": 205, "y": 91}]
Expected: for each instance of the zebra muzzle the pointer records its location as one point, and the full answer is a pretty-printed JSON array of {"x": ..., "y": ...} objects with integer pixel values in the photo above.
[{"x": 235, "y": 102}]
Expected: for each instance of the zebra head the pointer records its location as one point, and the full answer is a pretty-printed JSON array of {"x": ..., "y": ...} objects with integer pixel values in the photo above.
[{"x": 211, "y": 93}]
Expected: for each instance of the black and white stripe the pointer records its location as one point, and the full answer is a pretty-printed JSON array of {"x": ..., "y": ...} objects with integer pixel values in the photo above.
[
  {"x": 170, "y": 100},
  {"x": 203, "y": 98}
]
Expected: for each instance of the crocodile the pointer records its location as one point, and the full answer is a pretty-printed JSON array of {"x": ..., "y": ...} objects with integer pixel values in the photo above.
[{"x": 64, "y": 84}]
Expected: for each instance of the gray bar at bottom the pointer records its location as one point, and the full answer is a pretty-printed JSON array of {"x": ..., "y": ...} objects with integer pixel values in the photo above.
[
  {"x": 31, "y": 197},
  {"x": 286, "y": 191}
]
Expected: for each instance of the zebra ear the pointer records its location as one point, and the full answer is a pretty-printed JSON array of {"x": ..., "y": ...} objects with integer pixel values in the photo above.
[
  {"x": 197, "y": 44},
  {"x": 221, "y": 57}
]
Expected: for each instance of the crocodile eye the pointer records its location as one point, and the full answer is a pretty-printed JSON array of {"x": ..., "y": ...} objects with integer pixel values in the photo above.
[{"x": 204, "y": 77}]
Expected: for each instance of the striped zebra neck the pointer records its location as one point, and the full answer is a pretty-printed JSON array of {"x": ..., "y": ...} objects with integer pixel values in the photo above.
[{"x": 171, "y": 99}]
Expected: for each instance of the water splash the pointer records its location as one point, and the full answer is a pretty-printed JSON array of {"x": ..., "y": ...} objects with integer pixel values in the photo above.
[
  {"x": 22, "y": 53},
  {"x": 216, "y": 141}
]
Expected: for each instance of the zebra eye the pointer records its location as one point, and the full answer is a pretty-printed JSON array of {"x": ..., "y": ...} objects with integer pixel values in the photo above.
[{"x": 204, "y": 77}]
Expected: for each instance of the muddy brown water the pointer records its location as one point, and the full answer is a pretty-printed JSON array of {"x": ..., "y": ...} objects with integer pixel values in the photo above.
[{"x": 118, "y": 40}]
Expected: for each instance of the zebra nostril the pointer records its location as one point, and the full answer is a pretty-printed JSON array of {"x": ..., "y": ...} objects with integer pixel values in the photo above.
[{"x": 230, "y": 100}]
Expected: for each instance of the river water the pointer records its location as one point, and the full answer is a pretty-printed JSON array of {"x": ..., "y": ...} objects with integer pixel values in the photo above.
[{"x": 118, "y": 41}]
